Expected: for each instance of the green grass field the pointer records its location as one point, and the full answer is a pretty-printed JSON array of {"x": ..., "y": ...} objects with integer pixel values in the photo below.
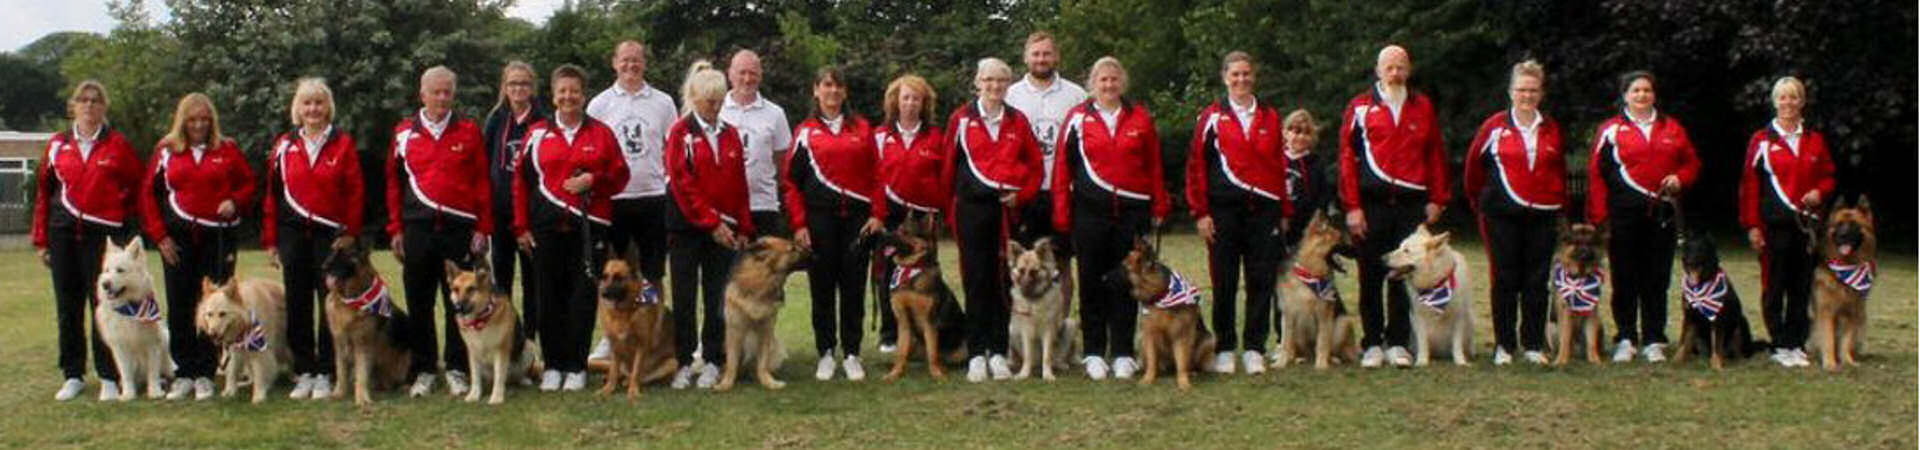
[{"x": 1751, "y": 404}]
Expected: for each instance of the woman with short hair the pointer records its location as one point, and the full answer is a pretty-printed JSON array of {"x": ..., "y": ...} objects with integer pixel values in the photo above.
[
  {"x": 993, "y": 169},
  {"x": 1642, "y": 161},
  {"x": 1516, "y": 182},
  {"x": 1787, "y": 177},
  {"x": 314, "y": 198}
]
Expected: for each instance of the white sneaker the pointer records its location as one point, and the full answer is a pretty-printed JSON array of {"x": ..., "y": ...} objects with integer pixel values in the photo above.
[
  {"x": 550, "y": 380},
  {"x": 422, "y": 385},
  {"x": 823, "y": 371},
  {"x": 709, "y": 376},
  {"x": 1223, "y": 362},
  {"x": 1372, "y": 358},
  {"x": 1536, "y": 357},
  {"x": 1399, "y": 357},
  {"x": 456, "y": 383},
  {"x": 1655, "y": 352},
  {"x": 1623, "y": 351},
  {"x": 202, "y": 388},
  {"x": 997, "y": 364},
  {"x": 1800, "y": 358},
  {"x": 1096, "y": 367},
  {"x": 887, "y": 348},
  {"x": 1124, "y": 367},
  {"x": 1501, "y": 357},
  {"x": 683, "y": 377},
  {"x": 575, "y": 381},
  {"x": 70, "y": 389},
  {"x": 851, "y": 366},
  {"x": 181, "y": 387},
  {"x": 302, "y": 387},
  {"x": 1252, "y": 363},
  {"x": 601, "y": 350},
  {"x": 322, "y": 387},
  {"x": 977, "y": 369},
  {"x": 109, "y": 390},
  {"x": 1782, "y": 356}
]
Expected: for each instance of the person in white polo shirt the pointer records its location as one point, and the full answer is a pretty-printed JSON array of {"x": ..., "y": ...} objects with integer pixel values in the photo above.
[
  {"x": 1045, "y": 97},
  {"x": 639, "y": 116},
  {"x": 763, "y": 128}
]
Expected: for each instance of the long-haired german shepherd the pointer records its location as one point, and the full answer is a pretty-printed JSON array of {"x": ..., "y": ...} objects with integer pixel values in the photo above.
[
  {"x": 369, "y": 333},
  {"x": 1841, "y": 284}
]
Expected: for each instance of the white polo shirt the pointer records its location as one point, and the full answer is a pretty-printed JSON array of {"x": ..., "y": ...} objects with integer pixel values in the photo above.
[
  {"x": 639, "y": 120},
  {"x": 763, "y": 128},
  {"x": 1046, "y": 109}
]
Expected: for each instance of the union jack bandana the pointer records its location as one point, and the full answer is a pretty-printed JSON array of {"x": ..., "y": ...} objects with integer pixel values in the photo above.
[
  {"x": 1322, "y": 286},
  {"x": 901, "y": 275},
  {"x": 1856, "y": 276},
  {"x": 1439, "y": 296},
  {"x": 481, "y": 318},
  {"x": 375, "y": 300},
  {"x": 1705, "y": 298},
  {"x": 256, "y": 338},
  {"x": 1179, "y": 291},
  {"x": 147, "y": 310},
  {"x": 1582, "y": 294}
]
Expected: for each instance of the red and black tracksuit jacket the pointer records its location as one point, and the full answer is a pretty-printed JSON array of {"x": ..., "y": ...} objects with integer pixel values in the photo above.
[
  {"x": 1237, "y": 176},
  {"x": 182, "y": 190},
  {"x": 540, "y": 198},
  {"x": 1519, "y": 199},
  {"x": 707, "y": 178},
  {"x": 328, "y": 191},
  {"x": 98, "y": 188},
  {"x": 1500, "y": 176},
  {"x": 1773, "y": 180},
  {"x": 439, "y": 180},
  {"x": 1624, "y": 174},
  {"x": 910, "y": 170},
  {"x": 832, "y": 188},
  {"x": 1230, "y": 161},
  {"x": 1384, "y": 157},
  {"x": 982, "y": 166},
  {"x": 1108, "y": 185}
]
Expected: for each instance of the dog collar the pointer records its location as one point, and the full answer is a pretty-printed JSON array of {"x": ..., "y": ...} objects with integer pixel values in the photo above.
[
  {"x": 1706, "y": 297},
  {"x": 480, "y": 319},
  {"x": 375, "y": 300},
  {"x": 146, "y": 310},
  {"x": 1322, "y": 286},
  {"x": 1179, "y": 292},
  {"x": 256, "y": 338},
  {"x": 1438, "y": 296},
  {"x": 1582, "y": 294},
  {"x": 1859, "y": 277}
]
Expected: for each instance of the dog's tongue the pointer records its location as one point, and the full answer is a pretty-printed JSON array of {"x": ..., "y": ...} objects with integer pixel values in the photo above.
[{"x": 1846, "y": 250}]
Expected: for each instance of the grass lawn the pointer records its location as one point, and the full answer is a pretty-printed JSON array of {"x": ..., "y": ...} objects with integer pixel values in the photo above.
[{"x": 1752, "y": 404}]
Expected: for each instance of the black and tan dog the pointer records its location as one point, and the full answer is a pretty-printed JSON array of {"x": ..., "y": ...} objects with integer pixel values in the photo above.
[
  {"x": 491, "y": 328},
  {"x": 1315, "y": 319},
  {"x": 755, "y": 293},
  {"x": 1577, "y": 284},
  {"x": 923, "y": 305},
  {"x": 369, "y": 334},
  {"x": 1714, "y": 321},
  {"x": 638, "y": 327},
  {"x": 1842, "y": 283},
  {"x": 1171, "y": 332}
]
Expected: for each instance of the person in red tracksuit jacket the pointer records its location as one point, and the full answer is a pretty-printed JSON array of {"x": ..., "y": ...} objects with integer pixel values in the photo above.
[
  {"x": 707, "y": 181},
  {"x": 315, "y": 196},
  {"x": 1393, "y": 177},
  {"x": 1787, "y": 176},
  {"x": 438, "y": 194},
  {"x": 911, "y": 155},
  {"x": 1109, "y": 190},
  {"x": 563, "y": 188},
  {"x": 993, "y": 168},
  {"x": 1237, "y": 188},
  {"x": 83, "y": 196},
  {"x": 1516, "y": 180},
  {"x": 1641, "y": 161},
  {"x": 190, "y": 205},
  {"x": 832, "y": 189}
]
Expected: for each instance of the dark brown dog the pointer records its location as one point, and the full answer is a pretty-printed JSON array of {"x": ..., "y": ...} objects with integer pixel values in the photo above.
[
  {"x": 922, "y": 302},
  {"x": 755, "y": 293},
  {"x": 369, "y": 333},
  {"x": 1577, "y": 284},
  {"x": 1841, "y": 284},
  {"x": 1714, "y": 320},
  {"x": 637, "y": 325},
  {"x": 1172, "y": 325}
]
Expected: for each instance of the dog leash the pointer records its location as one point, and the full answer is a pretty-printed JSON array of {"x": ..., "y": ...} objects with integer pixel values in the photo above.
[{"x": 586, "y": 233}]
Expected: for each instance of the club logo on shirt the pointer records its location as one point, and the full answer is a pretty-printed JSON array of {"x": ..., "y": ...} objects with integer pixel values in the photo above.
[{"x": 457, "y": 148}]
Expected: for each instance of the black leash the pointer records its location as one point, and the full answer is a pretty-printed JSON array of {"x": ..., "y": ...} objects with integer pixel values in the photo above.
[{"x": 586, "y": 233}]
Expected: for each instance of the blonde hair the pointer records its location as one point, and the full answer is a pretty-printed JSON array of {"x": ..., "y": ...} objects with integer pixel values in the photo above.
[
  {"x": 892, "y": 103},
  {"x": 992, "y": 66},
  {"x": 1302, "y": 119},
  {"x": 1234, "y": 57},
  {"x": 1107, "y": 62},
  {"x": 177, "y": 135},
  {"x": 1783, "y": 84},
  {"x": 310, "y": 87},
  {"x": 1038, "y": 35},
  {"x": 506, "y": 72},
  {"x": 703, "y": 82},
  {"x": 89, "y": 85},
  {"x": 1528, "y": 68}
]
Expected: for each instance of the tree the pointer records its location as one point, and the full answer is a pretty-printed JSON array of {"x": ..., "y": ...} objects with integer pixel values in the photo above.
[{"x": 134, "y": 63}]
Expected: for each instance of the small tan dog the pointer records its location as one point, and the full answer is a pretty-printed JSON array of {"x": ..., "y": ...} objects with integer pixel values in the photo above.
[
  {"x": 1171, "y": 333},
  {"x": 1443, "y": 309},
  {"x": 638, "y": 327},
  {"x": 129, "y": 322},
  {"x": 755, "y": 294},
  {"x": 248, "y": 320},
  {"x": 369, "y": 334},
  {"x": 1315, "y": 319},
  {"x": 1842, "y": 283},
  {"x": 1577, "y": 282},
  {"x": 1039, "y": 311},
  {"x": 490, "y": 327}
]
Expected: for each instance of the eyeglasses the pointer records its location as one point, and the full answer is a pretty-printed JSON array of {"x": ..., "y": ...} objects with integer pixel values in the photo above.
[{"x": 89, "y": 100}]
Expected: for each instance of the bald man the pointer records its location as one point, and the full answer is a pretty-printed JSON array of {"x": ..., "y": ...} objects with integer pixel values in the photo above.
[
  {"x": 763, "y": 128},
  {"x": 1393, "y": 177}
]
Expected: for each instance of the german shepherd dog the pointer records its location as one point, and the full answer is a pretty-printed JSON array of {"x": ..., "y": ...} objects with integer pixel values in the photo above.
[
  {"x": 491, "y": 329},
  {"x": 922, "y": 302},
  {"x": 369, "y": 334},
  {"x": 128, "y": 319},
  {"x": 755, "y": 293},
  {"x": 1577, "y": 282},
  {"x": 1443, "y": 315},
  {"x": 1315, "y": 319},
  {"x": 1040, "y": 326},
  {"x": 1842, "y": 283},
  {"x": 248, "y": 321},
  {"x": 1715, "y": 320},
  {"x": 638, "y": 327},
  {"x": 1172, "y": 325}
]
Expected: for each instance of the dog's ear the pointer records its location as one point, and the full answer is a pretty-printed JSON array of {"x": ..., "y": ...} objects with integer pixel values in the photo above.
[
  {"x": 452, "y": 271},
  {"x": 207, "y": 286},
  {"x": 1438, "y": 240},
  {"x": 1865, "y": 206},
  {"x": 1014, "y": 249},
  {"x": 232, "y": 288},
  {"x": 137, "y": 248},
  {"x": 1045, "y": 247}
]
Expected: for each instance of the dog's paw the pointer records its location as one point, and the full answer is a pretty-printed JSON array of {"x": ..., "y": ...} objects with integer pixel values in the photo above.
[
  {"x": 258, "y": 399},
  {"x": 473, "y": 396},
  {"x": 497, "y": 399},
  {"x": 723, "y": 386},
  {"x": 776, "y": 384}
]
